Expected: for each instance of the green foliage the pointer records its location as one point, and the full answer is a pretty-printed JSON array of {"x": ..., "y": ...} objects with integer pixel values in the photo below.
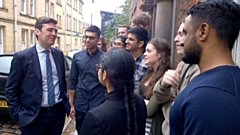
[{"x": 118, "y": 19}]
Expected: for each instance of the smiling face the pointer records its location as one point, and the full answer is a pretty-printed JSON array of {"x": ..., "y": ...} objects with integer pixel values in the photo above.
[
  {"x": 119, "y": 44},
  {"x": 91, "y": 39},
  {"x": 132, "y": 42},
  {"x": 122, "y": 31},
  {"x": 192, "y": 49},
  {"x": 179, "y": 40},
  {"x": 47, "y": 35},
  {"x": 151, "y": 56}
]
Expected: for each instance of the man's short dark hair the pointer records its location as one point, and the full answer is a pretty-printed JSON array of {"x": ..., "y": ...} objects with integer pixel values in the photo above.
[
  {"x": 140, "y": 33},
  {"x": 124, "y": 26},
  {"x": 222, "y": 15},
  {"x": 44, "y": 20},
  {"x": 94, "y": 29}
]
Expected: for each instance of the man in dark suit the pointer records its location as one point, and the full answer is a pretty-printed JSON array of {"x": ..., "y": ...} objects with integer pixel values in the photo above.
[{"x": 36, "y": 87}]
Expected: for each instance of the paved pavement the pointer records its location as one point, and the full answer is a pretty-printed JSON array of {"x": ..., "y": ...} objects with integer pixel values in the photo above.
[
  {"x": 8, "y": 127},
  {"x": 70, "y": 128}
]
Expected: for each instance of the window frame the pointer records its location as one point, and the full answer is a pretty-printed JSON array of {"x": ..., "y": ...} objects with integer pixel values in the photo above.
[
  {"x": 32, "y": 8},
  {"x": 23, "y": 6},
  {"x": 1, "y": 3},
  {"x": 24, "y": 39},
  {"x": 51, "y": 10},
  {"x": 46, "y": 8},
  {"x": 1, "y": 39},
  {"x": 236, "y": 47},
  {"x": 32, "y": 37},
  {"x": 59, "y": 2}
]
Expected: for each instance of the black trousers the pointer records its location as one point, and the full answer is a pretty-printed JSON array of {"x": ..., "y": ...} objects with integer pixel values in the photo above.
[
  {"x": 79, "y": 120},
  {"x": 50, "y": 121}
]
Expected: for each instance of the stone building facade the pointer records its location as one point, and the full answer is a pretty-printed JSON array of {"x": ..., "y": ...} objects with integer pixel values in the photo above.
[
  {"x": 17, "y": 19},
  {"x": 166, "y": 16}
]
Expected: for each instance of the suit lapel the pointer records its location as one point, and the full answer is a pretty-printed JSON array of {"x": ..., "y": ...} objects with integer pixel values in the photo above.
[{"x": 36, "y": 64}]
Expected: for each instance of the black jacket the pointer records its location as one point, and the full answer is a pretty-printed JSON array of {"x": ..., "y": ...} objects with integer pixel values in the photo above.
[{"x": 110, "y": 118}]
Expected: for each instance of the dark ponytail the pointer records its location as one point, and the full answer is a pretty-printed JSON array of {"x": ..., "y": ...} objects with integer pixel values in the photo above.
[
  {"x": 120, "y": 67},
  {"x": 131, "y": 108}
]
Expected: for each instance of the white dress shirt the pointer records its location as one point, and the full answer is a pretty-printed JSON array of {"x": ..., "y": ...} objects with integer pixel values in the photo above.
[{"x": 42, "y": 61}]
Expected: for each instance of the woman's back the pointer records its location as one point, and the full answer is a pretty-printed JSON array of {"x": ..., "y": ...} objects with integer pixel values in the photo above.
[{"x": 110, "y": 118}]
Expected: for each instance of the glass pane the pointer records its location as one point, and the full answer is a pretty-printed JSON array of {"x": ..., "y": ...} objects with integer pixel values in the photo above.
[{"x": 5, "y": 62}]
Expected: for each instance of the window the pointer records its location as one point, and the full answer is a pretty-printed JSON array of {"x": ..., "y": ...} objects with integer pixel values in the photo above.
[
  {"x": 52, "y": 10},
  {"x": 75, "y": 4},
  {"x": 32, "y": 7},
  {"x": 59, "y": 20},
  {"x": 76, "y": 29},
  {"x": 59, "y": 1},
  {"x": 24, "y": 39},
  {"x": 1, "y": 39},
  {"x": 46, "y": 8},
  {"x": 23, "y": 6},
  {"x": 236, "y": 48},
  {"x": 5, "y": 62},
  {"x": 67, "y": 21},
  {"x": 76, "y": 43},
  {"x": 74, "y": 24},
  {"x": 79, "y": 27},
  {"x": 58, "y": 42},
  {"x": 80, "y": 7},
  {"x": 69, "y": 2},
  {"x": 1, "y": 5},
  {"x": 32, "y": 38}
]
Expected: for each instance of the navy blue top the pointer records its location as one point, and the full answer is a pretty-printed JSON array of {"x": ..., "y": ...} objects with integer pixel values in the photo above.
[
  {"x": 84, "y": 79},
  {"x": 209, "y": 105}
]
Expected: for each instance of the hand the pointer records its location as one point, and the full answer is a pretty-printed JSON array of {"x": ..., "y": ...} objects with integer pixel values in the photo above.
[
  {"x": 72, "y": 112},
  {"x": 146, "y": 101},
  {"x": 171, "y": 78}
]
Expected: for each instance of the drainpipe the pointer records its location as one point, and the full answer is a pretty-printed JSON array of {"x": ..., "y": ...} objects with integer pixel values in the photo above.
[
  {"x": 65, "y": 35},
  {"x": 71, "y": 46},
  {"x": 173, "y": 53},
  {"x": 15, "y": 24}
]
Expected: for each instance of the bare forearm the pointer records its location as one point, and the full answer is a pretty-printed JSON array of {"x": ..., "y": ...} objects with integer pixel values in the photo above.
[{"x": 71, "y": 96}]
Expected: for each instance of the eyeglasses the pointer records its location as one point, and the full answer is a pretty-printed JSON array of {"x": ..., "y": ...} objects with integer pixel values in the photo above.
[
  {"x": 98, "y": 66},
  {"x": 90, "y": 37},
  {"x": 118, "y": 44}
]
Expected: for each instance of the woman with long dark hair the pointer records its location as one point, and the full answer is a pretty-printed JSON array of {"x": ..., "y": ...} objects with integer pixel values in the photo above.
[
  {"x": 157, "y": 55},
  {"x": 122, "y": 112}
]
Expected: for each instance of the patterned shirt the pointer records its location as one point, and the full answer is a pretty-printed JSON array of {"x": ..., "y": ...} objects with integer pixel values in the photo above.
[{"x": 141, "y": 70}]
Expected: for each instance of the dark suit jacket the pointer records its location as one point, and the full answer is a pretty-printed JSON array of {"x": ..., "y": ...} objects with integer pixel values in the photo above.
[
  {"x": 24, "y": 85},
  {"x": 110, "y": 118}
]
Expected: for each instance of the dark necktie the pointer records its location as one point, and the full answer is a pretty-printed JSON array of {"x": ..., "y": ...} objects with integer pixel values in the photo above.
[{"x": 50, "y": 86}]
